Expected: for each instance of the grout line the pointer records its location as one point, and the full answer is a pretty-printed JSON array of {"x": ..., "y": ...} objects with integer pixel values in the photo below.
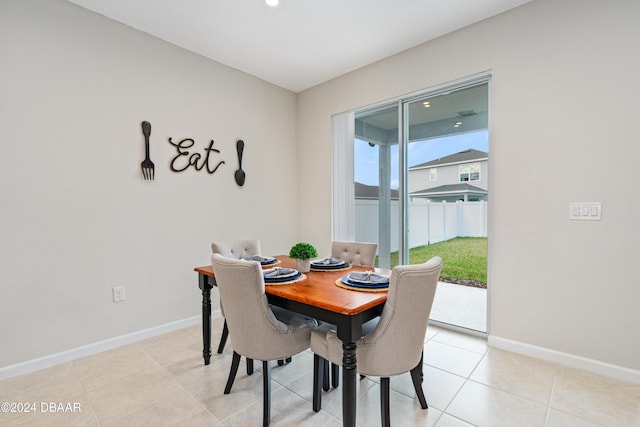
[{"x": 553, "y": 387}]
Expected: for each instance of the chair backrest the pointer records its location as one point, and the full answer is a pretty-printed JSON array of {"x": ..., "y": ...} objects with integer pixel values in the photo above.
[
  {"x": 253, "y": 328},
  {"x": 355, "y": 252},
  {"x": 238, "y": 249},
  {"x": 399, "y": 336}
]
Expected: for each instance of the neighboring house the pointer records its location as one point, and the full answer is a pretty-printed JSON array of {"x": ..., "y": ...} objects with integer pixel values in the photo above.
[
  {"x": 460, "y": 176},
  {"x": 363, "y": 191}
]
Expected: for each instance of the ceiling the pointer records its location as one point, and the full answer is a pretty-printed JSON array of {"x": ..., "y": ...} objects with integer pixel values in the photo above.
[
  {"x": 456, "y": 111},
  {"x": 300, "y": 43}
]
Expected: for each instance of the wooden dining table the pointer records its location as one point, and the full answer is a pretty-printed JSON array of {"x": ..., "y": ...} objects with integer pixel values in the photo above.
[{"x": 319, "y": 297}]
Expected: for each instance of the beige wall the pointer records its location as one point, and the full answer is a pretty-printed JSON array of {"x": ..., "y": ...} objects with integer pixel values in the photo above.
[
  {"x": 563, "y": 108},
  {"x": 76, "y": 217}
]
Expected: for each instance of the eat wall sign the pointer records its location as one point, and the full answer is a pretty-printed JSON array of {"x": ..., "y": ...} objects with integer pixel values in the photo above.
[{"x": 184, "y": 158}]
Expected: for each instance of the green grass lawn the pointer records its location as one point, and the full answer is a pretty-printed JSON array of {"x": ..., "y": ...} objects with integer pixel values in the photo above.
[{"x": 462, "y": 257}]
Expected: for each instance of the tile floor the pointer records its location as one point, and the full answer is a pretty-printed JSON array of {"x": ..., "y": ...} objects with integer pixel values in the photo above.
[{"x": 162, "y": 382}]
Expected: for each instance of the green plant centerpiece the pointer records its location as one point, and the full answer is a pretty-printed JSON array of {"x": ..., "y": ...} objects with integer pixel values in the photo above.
[{"x": 302, "y": 252}]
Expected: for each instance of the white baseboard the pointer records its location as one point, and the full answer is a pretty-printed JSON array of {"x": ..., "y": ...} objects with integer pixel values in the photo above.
[
  {"x": 567, "y": 359},
  {"x": 89, "y": 349}
]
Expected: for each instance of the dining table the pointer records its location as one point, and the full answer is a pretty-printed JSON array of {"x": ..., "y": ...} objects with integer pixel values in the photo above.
[{"x": 319, "y": 296}]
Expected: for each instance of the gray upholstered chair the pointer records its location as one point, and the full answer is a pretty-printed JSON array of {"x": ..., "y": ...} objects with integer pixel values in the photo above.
[
  {"x": 355, "y": 252},
  {"x": 255, "y": 331},
  {"x": 238, "y": 250},
  {"x": 393, "y": 346}
]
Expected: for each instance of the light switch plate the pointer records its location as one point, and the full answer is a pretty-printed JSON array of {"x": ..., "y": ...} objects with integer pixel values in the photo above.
[{"x": 585, "y": 211}]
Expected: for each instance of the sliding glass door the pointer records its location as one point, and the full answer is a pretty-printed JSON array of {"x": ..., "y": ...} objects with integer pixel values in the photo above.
[
  {"x": 447, "y": 198},
  {"x": 420, "y": 175},
  {"x": 376, "y": 182}
]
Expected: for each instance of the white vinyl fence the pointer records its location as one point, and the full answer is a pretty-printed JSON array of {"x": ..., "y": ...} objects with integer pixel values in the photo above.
[{"x": 429, "y": 222}]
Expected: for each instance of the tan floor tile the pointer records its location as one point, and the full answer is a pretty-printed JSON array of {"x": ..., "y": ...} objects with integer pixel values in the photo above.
[
  {"x": 203, "y": 381},
  {"x": 596, "y": 398},
  {"x": 334, "y": 423},
  {"x": 524, "y": 376},
  {"x": 447, "y": 420},
  {"x": 439, "y": 387},
  {"x": 432, "y": 331},
  {"x": 405, "y": 411},
  {"x": 162, "y": 381},
  {"x": 203, "y": 419},
  {"x": 75, "y": 413},
  {"x": 120, "y": 399},
  {"x": 97, "y": 371},
  {"x": 287, "y": 409},
  {"x": 175, "y": 346},
  {"x": 246, "y": 391},
  {"x": 56, "y": 384},
  {"x": 558, "y": 418},
  {"x": 452, "y": 359},
  {"x": 301, "y": 364},
  {"x": 480, "y": 405},
  {"x": 168, "y": 409},
  {"x": 332, "y": 399},
  {"x": 467, "y": 342}
]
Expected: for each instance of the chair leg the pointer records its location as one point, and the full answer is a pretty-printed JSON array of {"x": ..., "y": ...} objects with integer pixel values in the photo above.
[
  {"x": 325, "y": 375},
  {"x": 282, "y": 362},
  {"x": 249, "y": 366},
  {"x": 266, "y": 393},
  {"x": 384, "y": 402},
  {"x": 223, "y": 338},
  {"x": 318, "y": 373},
  {"x": 417, "y": 384},
  {"x": 335, "y": 375},
  {"x": 235, "y": 362}
]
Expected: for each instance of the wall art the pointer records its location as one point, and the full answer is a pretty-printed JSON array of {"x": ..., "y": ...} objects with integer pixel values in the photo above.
[
  {"x": 240, "y": 175},
  {"x": 184, "y": 159},
  {"x": 147, "y": 165}
]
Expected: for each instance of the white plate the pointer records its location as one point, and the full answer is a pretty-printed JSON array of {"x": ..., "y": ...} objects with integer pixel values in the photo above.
[
  {"x": 284, "y": 272},
  {"x": 375, "y": 279},
  {"x": 322, "y": 263}
]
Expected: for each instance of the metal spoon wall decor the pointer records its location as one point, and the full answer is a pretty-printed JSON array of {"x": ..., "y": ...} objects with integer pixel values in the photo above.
[{"x": 240, "y": 175}]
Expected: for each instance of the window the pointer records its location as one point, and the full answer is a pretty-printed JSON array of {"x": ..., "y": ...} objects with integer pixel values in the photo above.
[
  {"x": 433, "y": 174},
  {"x": 470, "y": 172}
]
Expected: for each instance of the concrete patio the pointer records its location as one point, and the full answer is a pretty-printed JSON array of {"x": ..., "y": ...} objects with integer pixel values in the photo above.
[{"x": 462, "y": 306}]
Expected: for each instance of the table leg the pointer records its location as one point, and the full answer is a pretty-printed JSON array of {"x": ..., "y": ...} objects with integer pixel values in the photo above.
[
  {"x": 348, "y": 384},
  {"x": 206, "y": 317}
]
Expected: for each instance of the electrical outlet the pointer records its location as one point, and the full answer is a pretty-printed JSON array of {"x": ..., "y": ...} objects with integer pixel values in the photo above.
[{"x": 118, "y": 294}]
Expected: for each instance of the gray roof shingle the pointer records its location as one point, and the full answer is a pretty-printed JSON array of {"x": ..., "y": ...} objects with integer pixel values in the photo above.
[
  {"x": 462, "y": 156},
  {"x": 450, "y": 188}
]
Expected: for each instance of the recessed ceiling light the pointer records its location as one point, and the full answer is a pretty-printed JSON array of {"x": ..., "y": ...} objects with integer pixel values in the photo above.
[{"x": 272, "y": 3}]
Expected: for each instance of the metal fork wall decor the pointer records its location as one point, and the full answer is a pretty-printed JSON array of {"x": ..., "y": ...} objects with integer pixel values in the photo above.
[{"x": 147, "y": 165}]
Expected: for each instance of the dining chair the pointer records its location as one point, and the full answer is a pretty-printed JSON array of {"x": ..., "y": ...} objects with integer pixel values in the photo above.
[
  {"x": 355, "y": 252},
  {"x": 358, "y": 253},
  {"x": 395, "y": 345},
  {"x": 237, "y": 249},
  {"x": 256, "y": 331}
]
